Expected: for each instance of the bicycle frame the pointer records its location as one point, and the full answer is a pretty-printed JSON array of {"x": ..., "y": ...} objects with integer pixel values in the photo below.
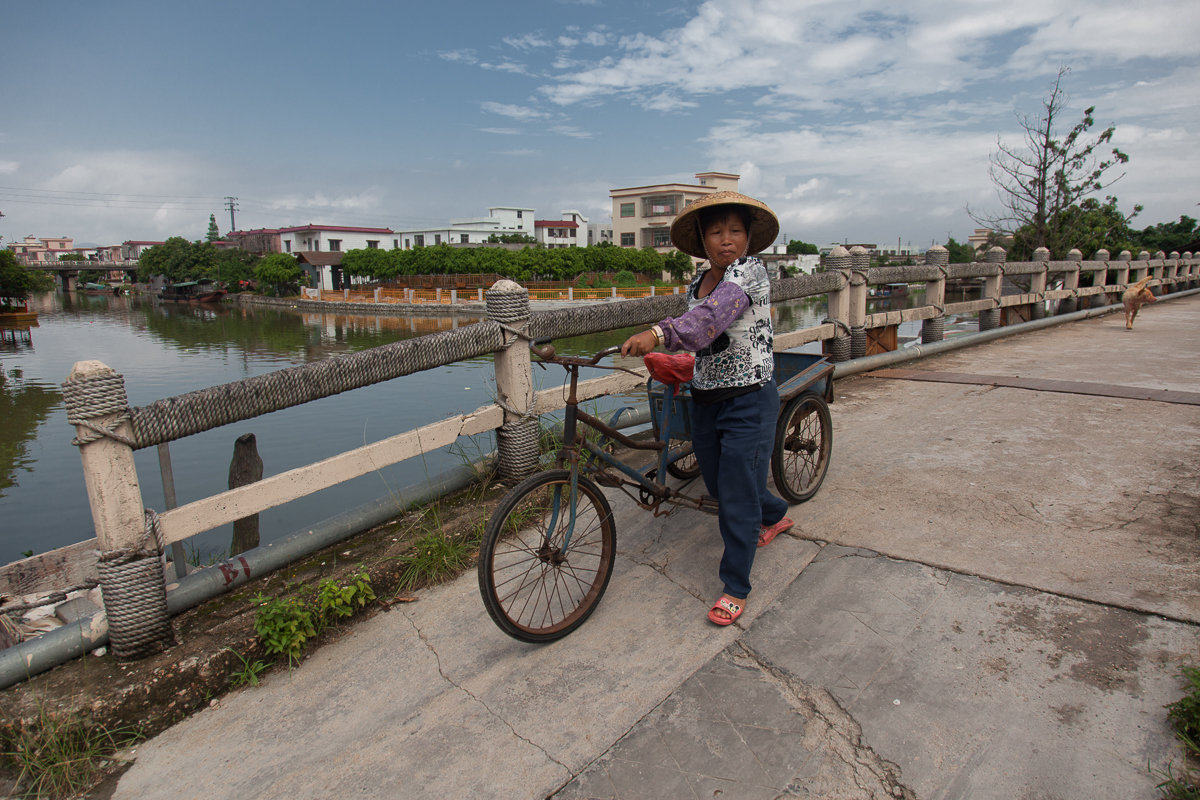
[{"x": 653, "y": 493}]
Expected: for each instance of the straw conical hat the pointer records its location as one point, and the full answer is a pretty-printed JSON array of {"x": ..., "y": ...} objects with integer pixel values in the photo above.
[{"x": 685, "y": 230}]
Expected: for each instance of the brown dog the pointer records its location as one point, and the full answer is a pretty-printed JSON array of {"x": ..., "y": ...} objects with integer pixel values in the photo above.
[{"x": 1134, "y": 297}]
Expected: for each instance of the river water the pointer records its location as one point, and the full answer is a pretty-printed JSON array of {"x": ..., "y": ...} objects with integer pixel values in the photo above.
[{"x": 164, "y": 349}]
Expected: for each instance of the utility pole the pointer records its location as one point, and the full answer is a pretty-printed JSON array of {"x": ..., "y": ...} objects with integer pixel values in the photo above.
[{"x": 231, "y": 204}]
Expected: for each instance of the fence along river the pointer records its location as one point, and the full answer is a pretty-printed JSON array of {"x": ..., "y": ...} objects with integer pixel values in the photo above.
[
  {"x": 165, "y": 350},
  {"x": 850, "y": 331}
]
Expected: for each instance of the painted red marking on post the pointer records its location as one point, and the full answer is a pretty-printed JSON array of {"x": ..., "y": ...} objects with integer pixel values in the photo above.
[
  {"x": 245, "y": 565},
  {"x": 228, "y": 572}
]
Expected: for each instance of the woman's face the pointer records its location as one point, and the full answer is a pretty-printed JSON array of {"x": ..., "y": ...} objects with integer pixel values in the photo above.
[{"x": 725, "y": 241}]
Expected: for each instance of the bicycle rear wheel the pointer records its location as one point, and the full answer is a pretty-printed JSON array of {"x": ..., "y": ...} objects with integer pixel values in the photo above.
[
  {"x": 534, "y": 588},
  {"x": 803, "y": 444}
]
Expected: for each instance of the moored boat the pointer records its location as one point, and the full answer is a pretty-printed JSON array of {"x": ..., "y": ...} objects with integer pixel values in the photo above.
[
  {"x": 202, "y": 291},
  {"x": 14, "y": 311}
]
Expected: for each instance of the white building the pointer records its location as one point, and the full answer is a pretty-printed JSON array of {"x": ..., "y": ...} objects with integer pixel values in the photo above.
[
  {"x": 565, "y": 232},
  {"x": 499, "y": 221},
  {"x": 335, "y": 239},
  {"x": 599, "y": 232}
]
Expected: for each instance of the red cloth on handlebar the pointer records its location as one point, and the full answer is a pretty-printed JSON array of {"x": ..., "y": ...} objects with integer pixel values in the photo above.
[{"x": 672, "y": 368}]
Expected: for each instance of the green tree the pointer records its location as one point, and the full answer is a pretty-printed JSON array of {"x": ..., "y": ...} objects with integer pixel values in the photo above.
[
  {"x": 963, "y": 253},
  {"x": 1167, "y": 236},
  {"x": 369, "y": 263},
  {"x": 280, "y": 271},
  {"x": 71, "y": 257},
  {"x": 511, "y": 238},
  {"x": 1090, "y": 226},
  {"x": 17, "y": 282},
  {"x": 214, "y": 233},
  {"x": 798, "y": 248},
  {"x": 1049, "y": 173}
]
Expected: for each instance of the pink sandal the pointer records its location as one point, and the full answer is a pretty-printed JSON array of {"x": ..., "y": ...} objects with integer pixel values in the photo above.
[
  {"x": 726, "y": 604},
  {"x": 768, "y": 532}
]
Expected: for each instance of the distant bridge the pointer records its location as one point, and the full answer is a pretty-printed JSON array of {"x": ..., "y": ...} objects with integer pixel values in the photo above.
[{"x": 68, "y": 271}]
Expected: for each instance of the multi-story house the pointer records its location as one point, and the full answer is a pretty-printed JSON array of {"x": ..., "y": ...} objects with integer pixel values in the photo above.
[
  {"x": 642, "y": 215},
  {"x": 499, "y": 221},
  {"x": 41, "y": 250},
  {"x": 565, "y": 232},
  {"x": 335, "y": 239}
]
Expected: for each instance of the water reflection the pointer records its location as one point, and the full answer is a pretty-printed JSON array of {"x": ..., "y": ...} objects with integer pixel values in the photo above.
[{"x": 23, "y": 406}]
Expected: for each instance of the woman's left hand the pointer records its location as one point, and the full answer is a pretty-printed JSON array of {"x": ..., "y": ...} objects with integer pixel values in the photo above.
[{"x": 639, "y": 344}]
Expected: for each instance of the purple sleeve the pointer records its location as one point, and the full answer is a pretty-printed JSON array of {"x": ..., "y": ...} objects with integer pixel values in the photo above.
[{"x": 700, "y": 326}]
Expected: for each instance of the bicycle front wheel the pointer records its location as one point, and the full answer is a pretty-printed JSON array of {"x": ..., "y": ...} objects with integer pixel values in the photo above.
[
  {"x": 536, "y": 585},
  {"x": 803, "y": 445}
]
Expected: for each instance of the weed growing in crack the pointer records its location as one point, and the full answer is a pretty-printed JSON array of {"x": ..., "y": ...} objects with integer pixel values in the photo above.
[
  {"x": 63, "y": 757},
  {"x": 285, "y": 624},
  {"x": 337, "y": 601},
  {"x": 435, "y": 556},
  {"x": 1184, "y": 715},
  {"x": 248, "y": 674}
]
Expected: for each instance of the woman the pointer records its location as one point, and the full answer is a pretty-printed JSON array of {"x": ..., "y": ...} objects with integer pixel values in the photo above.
[{"x": 735, "y": 402}]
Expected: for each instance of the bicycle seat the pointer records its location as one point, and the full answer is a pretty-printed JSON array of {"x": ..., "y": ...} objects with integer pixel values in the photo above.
[{"x": 670, "y": 368}]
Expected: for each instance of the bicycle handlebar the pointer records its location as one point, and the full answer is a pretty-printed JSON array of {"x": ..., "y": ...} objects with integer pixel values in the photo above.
[{"x": 546, "y": 352}]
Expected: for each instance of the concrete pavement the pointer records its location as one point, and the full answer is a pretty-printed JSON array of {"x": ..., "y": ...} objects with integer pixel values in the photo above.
[{"x": 990, "y": 597}]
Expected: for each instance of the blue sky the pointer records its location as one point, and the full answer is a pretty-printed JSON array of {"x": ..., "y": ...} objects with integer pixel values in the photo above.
[{"x": 861, "y": 121}]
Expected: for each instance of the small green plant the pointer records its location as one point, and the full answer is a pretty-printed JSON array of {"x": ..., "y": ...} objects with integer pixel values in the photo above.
[
  {"x": 63, "y": 757},
  {"x": 284, "y": 624},
  {"x": 27, "y": 553},
  {"x": 336, "y": 601},
  {"x": 434, "y": 556},
  {"x": 248, "y": 674},
  {"x": 1184, "y": 715}
]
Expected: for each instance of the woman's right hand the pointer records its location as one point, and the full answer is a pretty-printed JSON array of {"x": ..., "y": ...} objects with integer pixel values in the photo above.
[{"x": 639, "y": 344}]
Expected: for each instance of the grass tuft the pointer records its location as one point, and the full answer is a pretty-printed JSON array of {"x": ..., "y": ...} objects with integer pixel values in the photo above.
[
  {"x": 63, "y": 757},
  {"x": 1184, "y": 715}
]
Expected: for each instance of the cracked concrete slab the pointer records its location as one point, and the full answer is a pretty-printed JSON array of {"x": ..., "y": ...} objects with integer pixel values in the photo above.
[
  {"x": 982, "y": 690},
  {"x": 990, "y": 597}
]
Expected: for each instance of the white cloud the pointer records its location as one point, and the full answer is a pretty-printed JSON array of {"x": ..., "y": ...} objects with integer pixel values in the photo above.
[
  {"x": 464, "y": 56},
  {"x": 502, "y": 131},
  {"x": 513, "y": 111},
  {"x": 9, "y": 167},
  {"x": 571, "y": 130},
  {"x": 527, "y": 41}
]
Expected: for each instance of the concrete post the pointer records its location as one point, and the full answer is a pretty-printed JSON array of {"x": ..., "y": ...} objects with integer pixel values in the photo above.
[
  {"x": 993, "y": 287},
  {"x": 838, "y": 260},
  {"x": 1037, "y": 284},
  {"x": 860, "y": 261},
  {"x": 517, "y": 438},
  {"x": 131, "y": 575},
  {"x": 934, "y": 330},
  {"x": 377, "y": 294}
]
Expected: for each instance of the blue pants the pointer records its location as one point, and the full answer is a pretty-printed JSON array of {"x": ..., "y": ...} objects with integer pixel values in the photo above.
[{"x": 732, "y": 441}]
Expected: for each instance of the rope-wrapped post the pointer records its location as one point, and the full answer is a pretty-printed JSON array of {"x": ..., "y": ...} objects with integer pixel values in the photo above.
[
  {"x": 1037, "y": 284},
  {"x": 1158, "y": 270},
  {"x": 839, "y": 304},
  {"x": 131, "y": 573},
  {"x": 1071, "y": 281},
  {"x": 993, "y": 288},
  {"x": 934, "y": 329},
  {"x": 1100, "y": 278},
  {"x": 860, "y": 262},
  {"x": 517, "y": 439},
  {"x": 1132, "y": 270}
]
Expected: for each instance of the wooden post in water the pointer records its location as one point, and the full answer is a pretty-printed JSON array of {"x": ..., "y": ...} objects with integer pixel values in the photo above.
[{"x": 246, "y": 467}]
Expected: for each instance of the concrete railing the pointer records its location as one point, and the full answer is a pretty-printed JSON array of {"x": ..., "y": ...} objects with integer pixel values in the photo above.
[{"x": 132, "y": 539}]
